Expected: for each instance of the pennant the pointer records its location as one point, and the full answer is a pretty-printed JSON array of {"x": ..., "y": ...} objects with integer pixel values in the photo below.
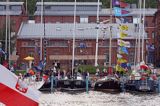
[
  {"x": 115, "y": 2},
  {"x": 119, "y": 3},
  {"x": 123, "y": 50},
  {"x": 123, "y": 27},
  {"x": 118, "y": 21},
  {"x": 123, "y": 65},
  {"x": 123, "y": 43},
  {"x": 120, "y": 12},
  {"x": 119, "y": 68},
  {"x": 13, "y": 92},
  {"x": 122, "y": 35},
  {"x": 123, "y": 4},
  {"x": 119, "y": 56},
  {"x": 121, "y": 60}
]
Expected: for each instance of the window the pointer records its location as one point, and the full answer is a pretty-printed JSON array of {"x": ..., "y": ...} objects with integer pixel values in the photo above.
[
  {"x": 83, "y": 19},
  {"x": 58, "y": 43},
  {"x": 2, "y": 8},
  {"x": 47, "y": 7},
  {"x": 15, "y": 8},
  {"x": 153, "y": 34},
  {"x": 136, "y": 20},
  {"x": 131, "y": 57}
]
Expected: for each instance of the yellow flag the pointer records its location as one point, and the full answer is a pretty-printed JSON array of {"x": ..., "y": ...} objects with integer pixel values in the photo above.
[
  {"x": 121, "y": 60},
  {"x": 119, "y": 68},
  {"x": 123, "y": 27},
  {"x": 122, "y": 35}
]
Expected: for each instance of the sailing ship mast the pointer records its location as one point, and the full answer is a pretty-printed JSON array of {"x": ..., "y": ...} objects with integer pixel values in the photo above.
[
  {"x": 96, "y": 54},
  {"x": 74, "y": 33},
  {"x": 8, "y": 34},
  {"x": 139, "y": 34},
  {"x": 110, "y": 37},
  {"x": 143, "y": 28}
]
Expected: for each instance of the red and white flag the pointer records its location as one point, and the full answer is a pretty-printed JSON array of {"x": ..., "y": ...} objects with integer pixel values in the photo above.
[{"x": 13, "y": 92}]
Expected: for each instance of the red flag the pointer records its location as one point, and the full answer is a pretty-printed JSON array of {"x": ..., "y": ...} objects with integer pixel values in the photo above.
[
  {"x": 14, "y": 92},
  {"x": 123, "y": 4}
]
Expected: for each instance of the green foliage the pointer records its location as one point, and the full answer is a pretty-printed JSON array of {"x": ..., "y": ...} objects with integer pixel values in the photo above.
[
  {"x": 20, "y": 71},
  {"x": 91, "y": 69}
]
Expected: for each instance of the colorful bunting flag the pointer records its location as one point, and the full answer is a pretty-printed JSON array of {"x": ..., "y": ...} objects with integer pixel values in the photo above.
[
  {"x": 119, "y": 56},
  {"x": 119, "y": 3},
  {"x": 123, "y": 27},
  {"x": 120, "y": 12},
  {"x": 119, "y": 68},
  {"x": 123, "y": 43},
  {"x": 123, "y": 50},
  {"x": 121, "y": 60},
  {"x": 122, "y": 35}
]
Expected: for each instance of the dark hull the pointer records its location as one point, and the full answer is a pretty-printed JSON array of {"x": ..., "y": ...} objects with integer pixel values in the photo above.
[
  {"x": 66, "y": 85},
  {"x": 107, "y": 86},
  {"x": 141, "y": 85}
]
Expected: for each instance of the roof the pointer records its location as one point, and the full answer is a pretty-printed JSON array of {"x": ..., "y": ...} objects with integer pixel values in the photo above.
[
  {"x": 10, "y": 12},
  {"x": 68, "y": 3},
  {"x": 11, "y": 3},
  {"x": 65, "y": 30},
  {"x": 103, "y": 12}
]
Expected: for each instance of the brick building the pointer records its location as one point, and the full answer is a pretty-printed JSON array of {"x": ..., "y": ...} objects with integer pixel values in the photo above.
[
  {"x": 17, "y": 13},
  {"x": 157, "y": 36},
  {"x": 58, "y": 17}
]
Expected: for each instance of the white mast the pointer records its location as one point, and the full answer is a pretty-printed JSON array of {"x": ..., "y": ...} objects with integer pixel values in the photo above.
[
  {"x": 96, "y": 54},
  {"x": 42, "y": 34},
  {"x": 6, "y": 38},
  {"x": 9, "y": 41},
  {"x": 26, "y": 6},
  {"x": 139, "y": 35},
  {"x": 143, "y": 28},
  {"x": 74, "y": 33},
  {"x": 110, "y": 37}
]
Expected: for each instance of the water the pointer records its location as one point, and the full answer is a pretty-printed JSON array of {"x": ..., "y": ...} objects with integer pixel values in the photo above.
[{"x": 98, "y": 99}]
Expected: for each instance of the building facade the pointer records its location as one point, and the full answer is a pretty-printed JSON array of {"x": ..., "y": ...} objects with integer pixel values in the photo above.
[
  {"x": 13, "y": 11},
  {"x": 58, "y": 18},
  {"x": 157, "y": 36}
]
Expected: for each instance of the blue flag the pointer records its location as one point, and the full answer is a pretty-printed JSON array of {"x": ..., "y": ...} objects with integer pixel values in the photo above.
[{"x": 120, "y": 12}]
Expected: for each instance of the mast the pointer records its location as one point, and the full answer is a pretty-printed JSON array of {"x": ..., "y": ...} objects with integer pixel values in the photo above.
[
  {"x": 110, "y": 37},
  {"x": 143, "y": 28},
  {"x": 96, "y": 54},
  {"x": 9, "y": 41},
  {"x": 42, "y": 9},
  {"x": 6, "y": 38},
  {"x": 74, "y": 32},
  {"x": 139, "y": 35}
]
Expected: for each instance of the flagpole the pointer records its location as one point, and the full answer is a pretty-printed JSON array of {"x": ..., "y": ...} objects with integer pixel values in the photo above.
[
  {"x": 143, "y": 28},
  {"x": 6, "y": 38},
  {"x": 42, "y": 34},
  {"x": 96, "y": 54},
  {"x": 9, "y": 41},
  {"x": 139, "y": 35},
  {"x": 110, "y": 37},
  {"x": 74, "y": 32}
]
